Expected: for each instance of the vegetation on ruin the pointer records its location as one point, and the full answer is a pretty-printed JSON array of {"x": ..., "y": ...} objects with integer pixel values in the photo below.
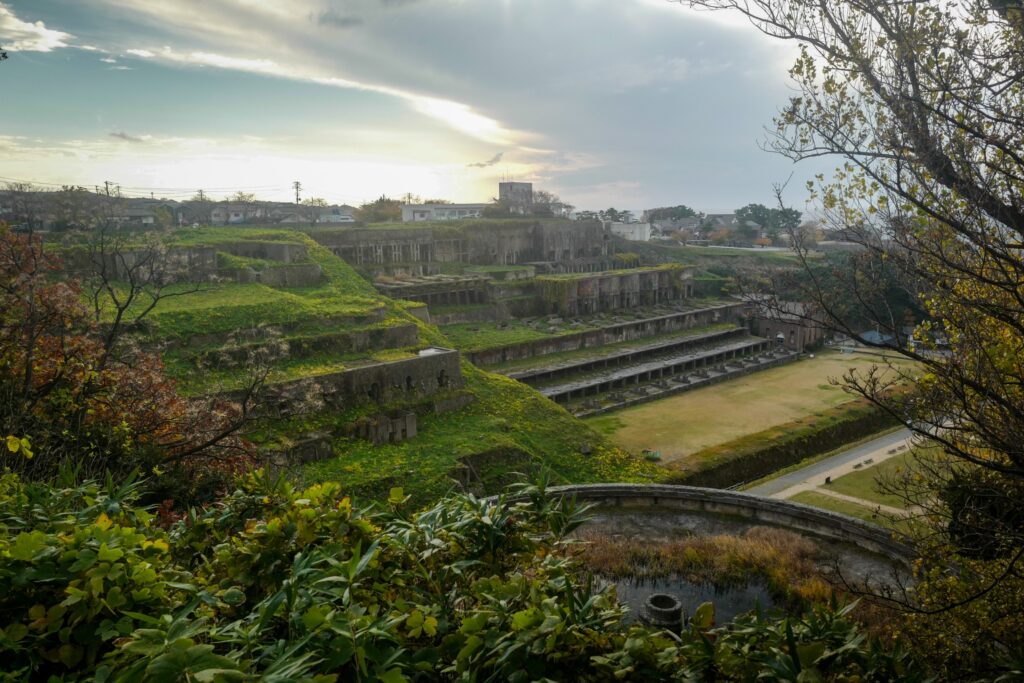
[
  {"x": 507, "y": 416},
  {"x": 470, "y": 337},
  {"x": 595, "y": 352},
  {"x": 91, "y": 402},
  {"x": 496, "y": 269},
  {"x": 575, "y": 277}
]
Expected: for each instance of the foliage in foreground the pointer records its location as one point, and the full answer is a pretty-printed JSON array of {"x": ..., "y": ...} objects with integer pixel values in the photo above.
[{"x": 285, "y": 585}]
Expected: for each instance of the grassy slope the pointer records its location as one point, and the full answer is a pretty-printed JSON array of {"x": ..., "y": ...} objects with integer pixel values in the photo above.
[
  {"x": 844, "y": 507},
  {"x": 224, "y": 307},
  {"x": 506, "y": 415},
  {"x": 866, "y": 512},
  {"x": 682, "y": 425}
]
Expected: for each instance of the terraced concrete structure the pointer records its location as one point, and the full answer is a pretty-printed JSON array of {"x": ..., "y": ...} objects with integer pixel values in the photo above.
[
  {"x": 582, "y": 294},
  {"x": 566, "y": 246},
  {"x": 611, "y": 389},
  {"x": 685, "y": 317},
  {"x": 427, "y": 372},
  {"x": 438, "y": 289}
]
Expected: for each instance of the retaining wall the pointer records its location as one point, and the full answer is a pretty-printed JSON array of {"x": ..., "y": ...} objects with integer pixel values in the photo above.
[
  {"x": 653, "y": 498},
  {"x": 693, "y": 384},
  {"x": 611, "y": 334}
]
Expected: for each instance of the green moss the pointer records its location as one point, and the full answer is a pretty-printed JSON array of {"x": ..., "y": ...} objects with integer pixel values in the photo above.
[
  {"x": 471, "y": 337},
  {"x": 507, "y": 416}
]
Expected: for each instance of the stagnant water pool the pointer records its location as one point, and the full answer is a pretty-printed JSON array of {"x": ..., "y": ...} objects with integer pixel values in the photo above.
[{"x": 729, "y": 602}]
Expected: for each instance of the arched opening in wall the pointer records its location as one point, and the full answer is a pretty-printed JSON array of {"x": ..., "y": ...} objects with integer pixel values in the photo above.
[
  {"x": 792, "y": 337},
  {"x": 442, "y": 379},
  {"x": 374, "y": 392},
  {"x": 409, "y": 386}
]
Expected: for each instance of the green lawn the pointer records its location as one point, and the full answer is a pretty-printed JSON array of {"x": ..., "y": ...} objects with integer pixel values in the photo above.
[
  {"x": 863, "y": 483},
  {"x": 844, "y": 507},
  {"x": 681, "y": 425},
  {"x": 864, "y": 512}
]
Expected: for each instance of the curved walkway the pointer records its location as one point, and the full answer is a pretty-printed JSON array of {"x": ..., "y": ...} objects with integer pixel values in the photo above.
[{"x": 813, "y": 476}]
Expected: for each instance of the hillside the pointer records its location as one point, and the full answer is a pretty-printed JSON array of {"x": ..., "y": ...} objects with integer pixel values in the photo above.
[{"x": 500, "y": 427}]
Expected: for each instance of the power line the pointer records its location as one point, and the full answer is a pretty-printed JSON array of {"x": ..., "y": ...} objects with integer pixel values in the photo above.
[{"x": 150, "y": 188}]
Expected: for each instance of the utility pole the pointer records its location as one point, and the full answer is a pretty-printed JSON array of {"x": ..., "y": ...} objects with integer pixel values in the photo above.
[
  {"x": 298, "y": 188},
  {"x": 106, "y": 187},
  {"x": 202, "y": 196}
]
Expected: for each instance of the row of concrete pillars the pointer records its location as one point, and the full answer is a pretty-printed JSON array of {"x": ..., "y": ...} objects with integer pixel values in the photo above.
[{"x": 697, "y": 364}]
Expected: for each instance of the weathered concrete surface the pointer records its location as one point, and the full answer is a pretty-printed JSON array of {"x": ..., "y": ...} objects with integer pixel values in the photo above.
[
  {"x": 434, "y": 369},
  {"x": 507, "y": 242},
  {"x": 640, "y": 500},
  {"x": 593, "y": 293},
  {"x": 612, "y": 334},
  {"x": 689, "y": 360},
  {"x": 635, "y": 354},
  {"x": 691, "y": 383}
]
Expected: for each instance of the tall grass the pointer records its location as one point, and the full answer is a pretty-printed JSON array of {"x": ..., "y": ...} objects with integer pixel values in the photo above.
[{"x": 788, "y": 564}]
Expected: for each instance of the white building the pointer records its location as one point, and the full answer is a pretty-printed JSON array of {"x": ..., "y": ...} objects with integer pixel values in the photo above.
[
  {"x": 637, "y": 232},
  {"x": 413, "y": 213},
  {"x": 336, "y": 214}
]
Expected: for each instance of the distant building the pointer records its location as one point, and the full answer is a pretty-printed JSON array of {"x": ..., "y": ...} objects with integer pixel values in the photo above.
[
  {"x": 636, "y": 232},
  {"x": 234, "y": 213},
  {"x": 667, "y": 226},
  {"x": 790, "y": 324},
  {"x": 137, "y": 216},
  {"x": 516, "y": 195},
  {"x": 414, "y": 213},
  {"x": 337, "y": 214}
]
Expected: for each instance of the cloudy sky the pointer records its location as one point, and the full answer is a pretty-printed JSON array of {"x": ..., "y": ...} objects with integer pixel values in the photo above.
[{"x": 627, "y": 103}]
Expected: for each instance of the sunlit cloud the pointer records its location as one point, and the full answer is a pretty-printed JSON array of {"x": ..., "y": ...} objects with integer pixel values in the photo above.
[
  {"x": 458, "y": 116},
  {"x": 23, "y": 36}
]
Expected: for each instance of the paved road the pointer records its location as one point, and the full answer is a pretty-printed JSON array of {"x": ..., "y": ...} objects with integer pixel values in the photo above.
[{"x": 779, "y": 484}]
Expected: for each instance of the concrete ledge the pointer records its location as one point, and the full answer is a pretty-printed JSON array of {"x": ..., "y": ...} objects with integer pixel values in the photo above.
[
  {"x": 653, "y": 498},
  {"x": 693, "y": 383}
]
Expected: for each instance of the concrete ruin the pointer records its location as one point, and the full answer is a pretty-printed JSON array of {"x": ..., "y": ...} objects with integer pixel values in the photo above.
[
  {"x": 613, "y": 333},
  {"x": 288, "y": 263},
  {"x": 610, "y": 291},
  {"x": 438, "y": 290},
  {"x": 568, "y": 246},
  {"x": 430, "y": 371}
]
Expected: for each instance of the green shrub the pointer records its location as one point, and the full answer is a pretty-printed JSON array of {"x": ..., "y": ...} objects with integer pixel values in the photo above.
[{"x": 279, "y": 584}]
